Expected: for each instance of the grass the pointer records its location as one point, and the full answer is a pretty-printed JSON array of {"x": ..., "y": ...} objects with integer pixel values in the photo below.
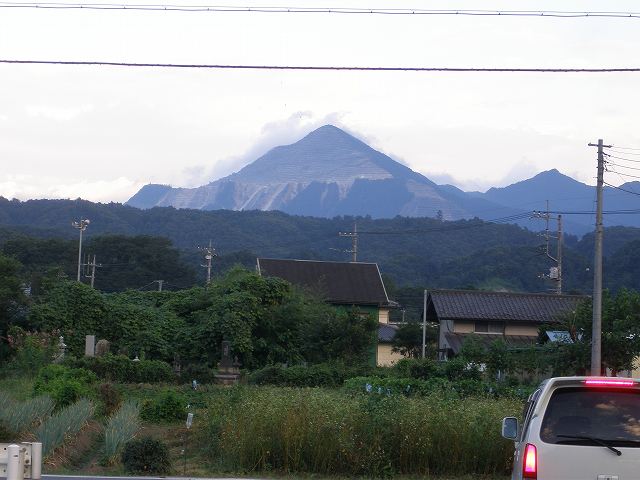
[
  {"x": 329, "y": 433},
  {"x": 21, "y": 388},
  {"x": 121, "y": 427}
]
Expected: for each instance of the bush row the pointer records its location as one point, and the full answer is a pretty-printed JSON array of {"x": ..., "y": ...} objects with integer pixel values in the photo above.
[
  {"x": 460, "y": 388},
  {"x": 319, "y": 375},
  {"x": 119, "y": 368}
]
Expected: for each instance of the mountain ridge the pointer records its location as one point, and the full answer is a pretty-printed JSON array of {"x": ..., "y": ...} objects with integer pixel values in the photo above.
[{"x": 329, "y": 172}]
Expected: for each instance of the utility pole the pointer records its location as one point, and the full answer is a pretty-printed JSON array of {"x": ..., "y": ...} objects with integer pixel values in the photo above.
[
  {"x": 424, "y": 325},
  {"x": 555, "y": 273},
  {"x": 82, "y": 226},
  {"x": 93, "y": 266},
  {"x": 559, "y": 256},
  {"x": 159, "y": 282},
  {"x": 354, "y": 242},
  {"x": 209, "y": 253},
  {"x": 596, "y": 335}
]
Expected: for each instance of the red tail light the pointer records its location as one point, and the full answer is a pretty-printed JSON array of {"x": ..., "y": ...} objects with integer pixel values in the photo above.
[
  {"x": 609, "y": 382},
  {"x": 530, "y": 464}
]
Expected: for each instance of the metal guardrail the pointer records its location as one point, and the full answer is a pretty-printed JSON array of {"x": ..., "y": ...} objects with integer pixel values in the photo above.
[{"x": 19, "y": 461}]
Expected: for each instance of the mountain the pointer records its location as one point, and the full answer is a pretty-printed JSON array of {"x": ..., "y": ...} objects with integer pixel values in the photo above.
[
  {"x": 330, "y": 173},
  {"x": 568, "y": 195},
  {"x": 325, "y": 174}
]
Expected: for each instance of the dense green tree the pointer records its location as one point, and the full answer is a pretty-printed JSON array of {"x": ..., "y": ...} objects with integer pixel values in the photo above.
[
  {"x": 620, "y": 335},
  {"x": 73, "y": 309},
  {"x": 12, "y": 299},
  {"x": 408, "y": 340},
  {"x": 135, "y": 262}
]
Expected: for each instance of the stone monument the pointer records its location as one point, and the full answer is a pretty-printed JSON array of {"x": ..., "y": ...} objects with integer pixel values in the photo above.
[
  {"x": 90, "y": 346},
  {"x": 228, "y": 370}
]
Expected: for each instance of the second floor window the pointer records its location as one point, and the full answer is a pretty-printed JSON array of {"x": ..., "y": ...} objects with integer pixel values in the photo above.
[{"x": 489, "y": 327}]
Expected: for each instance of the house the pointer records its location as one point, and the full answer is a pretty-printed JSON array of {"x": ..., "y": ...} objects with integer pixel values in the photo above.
[
  {"x": 344, "y": 285},
  {"x": 512, "y": 317},
  {"x": 386, "y": 356}
]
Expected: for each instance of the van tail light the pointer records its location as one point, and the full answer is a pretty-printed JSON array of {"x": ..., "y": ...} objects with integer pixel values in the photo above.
[
  {"x": 609, "y": 382},
  {"x": 530, "y": 464}
]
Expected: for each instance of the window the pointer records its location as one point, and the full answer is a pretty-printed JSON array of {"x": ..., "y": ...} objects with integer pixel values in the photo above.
[
  {"x": 613, "y": 416},
  {"x": 489, "y": 327}
]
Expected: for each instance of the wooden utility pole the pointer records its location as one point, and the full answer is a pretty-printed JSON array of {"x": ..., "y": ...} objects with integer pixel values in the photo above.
[
  {"x": 596, "y": 333},
  {"x": 93, "y": 265},
  {"x": 424, "y": 325},
  {"x": 559, "y": 257},
  {"x": 555, "y": 273},
  {"x": 354, "y": 242}
]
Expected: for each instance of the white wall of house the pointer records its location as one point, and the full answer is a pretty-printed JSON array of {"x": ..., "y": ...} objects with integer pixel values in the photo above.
[{"x": 530, "y": 330}]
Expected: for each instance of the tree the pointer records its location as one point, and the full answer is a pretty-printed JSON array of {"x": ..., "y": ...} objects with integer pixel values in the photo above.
[
  {"x": 620, "y": 334},
  {"x": 74, "y": 309},
  {"x": 12, "y": 299},
  {"x": 408, "y": 340}
]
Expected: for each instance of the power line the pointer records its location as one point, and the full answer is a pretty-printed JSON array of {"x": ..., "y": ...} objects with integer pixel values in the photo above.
[
  {"x": 622, "y": 166},
  {"x": 321, "y": 67},
  {"x": 621, "y": 189},
  {"x": 627, "y": 148},
  {"x": 621, "y": 158},
  {"x": 624, "y": 152},
  {"x": 324, "y": 10}
]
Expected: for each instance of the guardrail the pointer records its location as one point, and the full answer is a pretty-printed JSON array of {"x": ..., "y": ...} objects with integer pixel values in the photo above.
[{"x": 19, "y": 461}]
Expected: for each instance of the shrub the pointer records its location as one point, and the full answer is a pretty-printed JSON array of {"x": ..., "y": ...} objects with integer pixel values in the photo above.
[
  {"x": 65, "y": 385},
  {"x": 119, "y": 368},
  {"x": 110, "y": 397},
  {"x": 31, "y": 350},
  {"x": 200, "y": 373},
  {"x": 168, "y": 406},
  {"x": 422, "y": 368},
  {"x": 146, "y": 456},
  {"x": 67, "y": 422},
  {"x": 318, "y": 375},
  {"x": 121, "y": 428}
]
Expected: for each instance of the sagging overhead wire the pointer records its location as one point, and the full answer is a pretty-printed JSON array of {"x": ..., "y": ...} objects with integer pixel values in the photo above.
[
  {"x": 324, "y": 10},
  {"x": 622, "y": 189},
  {"x": 322, "y": 67}
]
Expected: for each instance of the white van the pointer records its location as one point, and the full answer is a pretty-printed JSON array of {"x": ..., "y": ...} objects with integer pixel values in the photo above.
[{"x": 578, "y": 428}]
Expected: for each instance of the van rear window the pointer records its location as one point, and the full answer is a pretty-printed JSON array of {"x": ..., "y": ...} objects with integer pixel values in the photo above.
[{"x": 612, "y": 415}]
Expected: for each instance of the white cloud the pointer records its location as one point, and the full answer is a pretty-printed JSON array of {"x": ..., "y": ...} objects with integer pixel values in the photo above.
[
  {"x": 61, "y": 114},
  {"x": 24, "y": 187}
]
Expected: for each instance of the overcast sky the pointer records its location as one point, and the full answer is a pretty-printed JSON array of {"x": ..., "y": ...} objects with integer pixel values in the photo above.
[{"x": 101, "y": 133}]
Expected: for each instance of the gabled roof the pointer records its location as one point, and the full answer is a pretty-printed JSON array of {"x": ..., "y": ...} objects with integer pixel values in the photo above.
[
  {"x": 339, "y": 283},
  {"x": 520, "y": 307}
]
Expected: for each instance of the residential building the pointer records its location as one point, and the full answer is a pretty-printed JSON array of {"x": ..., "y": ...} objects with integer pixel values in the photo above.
[
  {"x": 342, "y": 284},
  {"x": 512, "y": 317}
]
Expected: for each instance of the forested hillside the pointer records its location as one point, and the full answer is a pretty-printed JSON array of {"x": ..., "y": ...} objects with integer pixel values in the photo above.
[{"x": 419, "y": 252}]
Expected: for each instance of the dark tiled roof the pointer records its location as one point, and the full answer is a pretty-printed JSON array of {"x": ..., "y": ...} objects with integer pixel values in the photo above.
[
  {"x": 386, "y": 332},
  {"x": 522, "y": 307},
  {"x": 455, "y": 340},
  {"x": 336, "y": 282}
]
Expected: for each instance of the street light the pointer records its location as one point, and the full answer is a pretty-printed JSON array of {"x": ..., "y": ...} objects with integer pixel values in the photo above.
[{"x": 82, "y": 226}]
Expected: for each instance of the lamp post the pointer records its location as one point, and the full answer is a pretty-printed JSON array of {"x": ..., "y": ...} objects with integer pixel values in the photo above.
[{"x": 82, "y": 226}]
